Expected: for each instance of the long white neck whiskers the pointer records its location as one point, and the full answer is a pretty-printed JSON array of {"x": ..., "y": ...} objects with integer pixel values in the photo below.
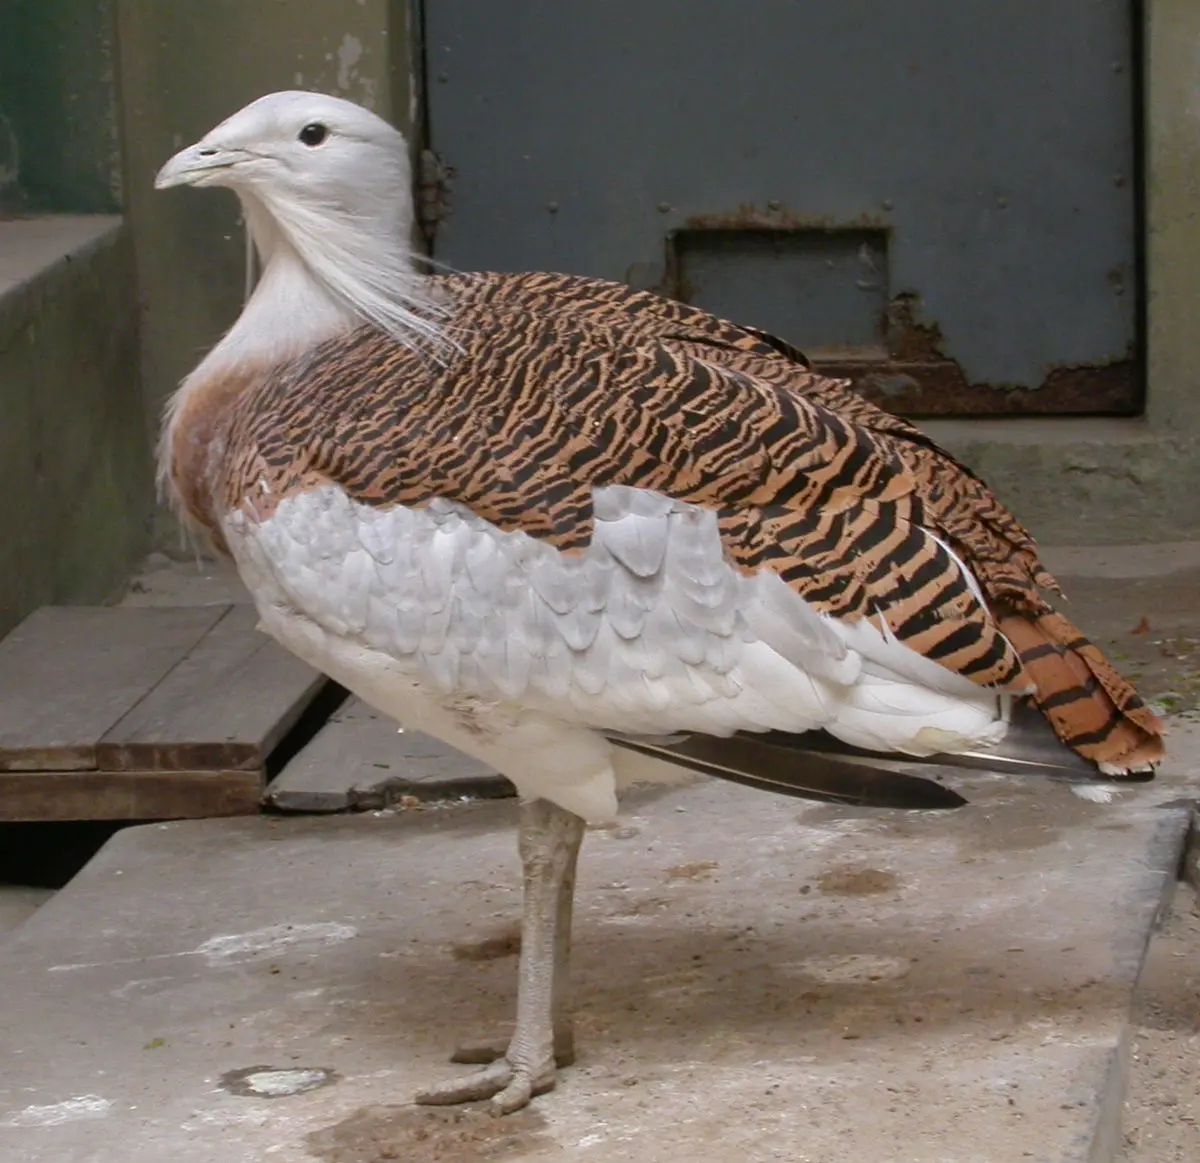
[
  {"x": 368, "y": 266},
  {"x": 323, "y": 273}
]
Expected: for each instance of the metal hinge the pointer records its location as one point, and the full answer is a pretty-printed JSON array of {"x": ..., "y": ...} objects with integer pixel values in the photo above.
[{"x": 433, "y": 190}]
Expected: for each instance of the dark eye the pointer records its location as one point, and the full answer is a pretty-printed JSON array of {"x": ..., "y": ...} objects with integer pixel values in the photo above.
[{"x": 313, "y": 134}]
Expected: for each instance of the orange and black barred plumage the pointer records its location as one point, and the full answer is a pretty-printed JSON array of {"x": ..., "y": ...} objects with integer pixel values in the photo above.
[
  {"x": 563, "y": 384},
  {"x": 1091, "y": 707}
]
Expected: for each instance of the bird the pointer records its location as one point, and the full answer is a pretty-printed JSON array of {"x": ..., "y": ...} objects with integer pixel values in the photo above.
[{"x": 596, "y": 537}]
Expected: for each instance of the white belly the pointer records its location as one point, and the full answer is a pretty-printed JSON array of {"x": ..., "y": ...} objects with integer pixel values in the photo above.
[{"x": 521, "y": 655}]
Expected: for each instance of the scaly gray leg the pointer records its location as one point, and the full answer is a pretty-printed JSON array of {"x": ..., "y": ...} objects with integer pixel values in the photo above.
[{"x": 549, "y": 845}]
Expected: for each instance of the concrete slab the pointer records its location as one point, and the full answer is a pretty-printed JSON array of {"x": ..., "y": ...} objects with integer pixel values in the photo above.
[
  {"x": 1142, "y": 607},
  {"x": 360, "y": 760},
  {"x": 29, "y": 246},
  {"x": 757, "y": 978},
  {"x": 1162, "y": 1108}
]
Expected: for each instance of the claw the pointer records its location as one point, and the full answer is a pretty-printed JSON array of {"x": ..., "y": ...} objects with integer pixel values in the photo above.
[
  {"x": 485, "y": 1083},
  {"x": 516, "y": 1094}
]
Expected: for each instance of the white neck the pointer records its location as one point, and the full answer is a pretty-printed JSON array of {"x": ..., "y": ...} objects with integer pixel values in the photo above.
[
  {"x": 289, "y": 311},
  {"x": 323, "y": 275}
]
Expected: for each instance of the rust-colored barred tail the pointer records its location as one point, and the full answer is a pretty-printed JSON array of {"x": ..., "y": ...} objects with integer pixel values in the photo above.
[{"x": 1090, "y": 706}]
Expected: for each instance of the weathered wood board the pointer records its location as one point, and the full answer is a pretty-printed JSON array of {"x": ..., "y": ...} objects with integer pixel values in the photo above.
[
  {"x": 68, "y": 673},
  {"x": 360, "y": 759},
  {"x": 223, "y": 706},
  {"x": 128, "y": 795},
  {"x": 142, "y": 713}
]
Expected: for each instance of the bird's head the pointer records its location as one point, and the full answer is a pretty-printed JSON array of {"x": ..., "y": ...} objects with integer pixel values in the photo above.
[
  {"x": 328, "y": 182},
  {"x": 308, "y": 148}
]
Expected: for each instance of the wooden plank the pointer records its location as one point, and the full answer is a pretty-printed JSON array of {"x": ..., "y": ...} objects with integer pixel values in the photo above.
[
  {"x": 128, "y": 795},
  {"x": 360, "y": 760},
  {"x": 225, "y": 706},
  {"x": 68, "y": 673}
]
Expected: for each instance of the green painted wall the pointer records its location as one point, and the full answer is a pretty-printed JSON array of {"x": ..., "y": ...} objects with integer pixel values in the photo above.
[
  {"x": 75, "y": 468},
  {"x": 74, "y": 465},
  {"x": 58, "y": 108}
]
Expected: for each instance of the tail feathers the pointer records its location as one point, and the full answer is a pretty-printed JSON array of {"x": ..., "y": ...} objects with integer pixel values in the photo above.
[
  {"x": 1092, "y": 709},
  {"x": 1083, "y": 703},
  {"x": 796, "y": 770}
]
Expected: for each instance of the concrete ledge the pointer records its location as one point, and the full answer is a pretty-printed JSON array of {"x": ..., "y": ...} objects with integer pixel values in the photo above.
[
  {"x": 74, "y": 461},
  {"x": 34, "y": 248},
  {"x": 1085, "y": 481},
  {"x": 756, "y": 979}
]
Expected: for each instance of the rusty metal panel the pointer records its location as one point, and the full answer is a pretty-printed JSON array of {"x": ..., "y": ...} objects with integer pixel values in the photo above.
[
  {"x": 826, "y": 290},
  {"x": 990, "y": 145}
]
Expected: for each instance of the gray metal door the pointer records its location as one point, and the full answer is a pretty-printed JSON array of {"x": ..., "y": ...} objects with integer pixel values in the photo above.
[{"x": 936, "y": 197}]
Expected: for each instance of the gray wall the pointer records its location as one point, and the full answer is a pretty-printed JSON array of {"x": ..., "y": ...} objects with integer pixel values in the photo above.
[
  {"x": 1073, "y": 480},
  {"x": 1122, "y": 481}
]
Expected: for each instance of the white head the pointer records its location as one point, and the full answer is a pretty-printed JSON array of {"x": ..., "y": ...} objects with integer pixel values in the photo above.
[{"x": 326, "y": 182}]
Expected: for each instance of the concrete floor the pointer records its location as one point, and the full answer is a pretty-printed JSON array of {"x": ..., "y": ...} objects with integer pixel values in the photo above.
[
  {"x": 757, "y": 978},
  {"x": 18, "y": 902},
  {"x": 1161, "y": 1118}
]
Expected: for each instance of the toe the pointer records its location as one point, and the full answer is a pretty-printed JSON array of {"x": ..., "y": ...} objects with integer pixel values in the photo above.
[
  {"x": 520, "y": 1090},
  {"x": 482, "y": 1084},
  {"x": 513, "y": 1097}
]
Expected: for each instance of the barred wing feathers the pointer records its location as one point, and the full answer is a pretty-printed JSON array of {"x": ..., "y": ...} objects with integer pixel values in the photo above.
[
  {"x": 612, "y": 528},
  {"x": 1092, "y": 708}
]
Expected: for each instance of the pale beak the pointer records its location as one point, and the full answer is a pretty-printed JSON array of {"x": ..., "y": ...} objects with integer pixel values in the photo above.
[{"x": 201, "y": 164}]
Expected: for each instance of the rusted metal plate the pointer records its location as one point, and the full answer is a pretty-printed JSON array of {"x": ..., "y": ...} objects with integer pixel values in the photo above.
[
  {"x": 941, "y": 389},
  {"x": 916, "y": 378},
  {"x": 825, "y": 289},
  {"x": 900, "y": 362}
]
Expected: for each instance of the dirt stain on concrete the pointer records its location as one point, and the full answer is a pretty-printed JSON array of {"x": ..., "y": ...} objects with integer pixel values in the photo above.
[
  {"x": 491, "y": 948},
  {"x": 373, "y": 1134},
  {"x": 857, "y": 881},
  {"x": 697, "y": 870}
]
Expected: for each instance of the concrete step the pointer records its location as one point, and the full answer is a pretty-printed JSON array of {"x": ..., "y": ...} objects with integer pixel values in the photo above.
[
  {"x": 18, "y": 902},
  {"x": 756, "y": 978}
]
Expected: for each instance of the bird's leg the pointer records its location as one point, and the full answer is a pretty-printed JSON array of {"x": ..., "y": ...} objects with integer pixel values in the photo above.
[{"x": 542, "y": 1040}]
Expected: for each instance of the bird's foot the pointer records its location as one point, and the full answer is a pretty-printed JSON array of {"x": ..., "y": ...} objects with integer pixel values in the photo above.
[
  {"x": 509, "y": 1082},
  {"x": 542, "y": 1038},
  {"x": 513, "y": 1075}
]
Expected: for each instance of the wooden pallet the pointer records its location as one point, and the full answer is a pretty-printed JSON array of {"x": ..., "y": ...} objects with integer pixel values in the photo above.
[{"x": 111, "y": 713}]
